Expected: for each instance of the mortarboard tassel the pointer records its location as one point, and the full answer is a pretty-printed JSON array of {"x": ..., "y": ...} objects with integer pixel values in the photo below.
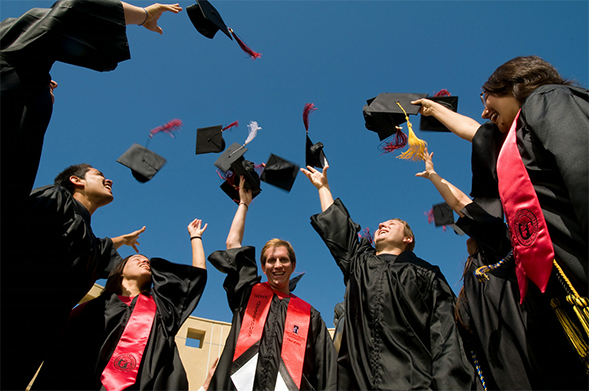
[
  {"x": 168, "y": 128},
  {"x": 309, "y": 107},
  {"x": 244, "y": 47},
  {"x": 366, "y": 234},
  {"x": 430, "y": 218},
  {"x": 231, "y": 125},
  {"x": 253, "y": 131},
  {"x": 442, "y": 92},
  {"x": 416, "y": 146},
  {"x": 396, "y": 141}
]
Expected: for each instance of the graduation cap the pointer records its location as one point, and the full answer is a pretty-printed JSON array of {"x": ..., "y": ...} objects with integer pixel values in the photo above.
[
  {"x": 233, "y": 162},
  {"x": 210, "y": 139},
  {"x": 431, "y": 123},
  {"x": 314, "y": 155},
  {"x": 279, "y": 172},
  {"x": 443, "y": 216},
  {"x": 207, "y": 21},
  {"x": 144, "y": 163}
]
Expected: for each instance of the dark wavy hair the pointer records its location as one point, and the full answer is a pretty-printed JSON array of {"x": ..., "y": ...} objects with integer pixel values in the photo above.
[
  {"x": 520, "y": 76},
  {"x": 114, "y": 283},
  {"x": 63, "y": 178}
]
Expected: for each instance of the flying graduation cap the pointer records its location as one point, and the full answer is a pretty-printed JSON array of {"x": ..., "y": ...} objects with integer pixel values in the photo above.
[
  {"x": 233, "y": 165},
  {"x": 444, "y": 98},
  {"x": 314, "y": 155},
  {"x": 385, "y": 113},
  {"x": 442, "y": 215},
  {"x": 207, "y": 21},
  {"x": 210, "y": 139},
  {"x": 280, "y": 172},
  {"x": 144, "y": 163}
]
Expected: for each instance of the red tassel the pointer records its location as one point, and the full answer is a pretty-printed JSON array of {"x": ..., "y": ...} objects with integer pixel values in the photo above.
[
  {"x": 443, "y": 92},
  {"x": 168, "y": 128},
  {"x": 430, "y": 218},
  {"x": 398, "y": 140},
  {"x": 366, "y": 234},
  {"x": 244, "y": 47},
  {"x": 236, "y": 123},
  {"x": 309, "y": 107}
]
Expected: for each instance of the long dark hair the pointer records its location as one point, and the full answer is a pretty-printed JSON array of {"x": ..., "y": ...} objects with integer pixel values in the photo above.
[
  {"x": 114, "y": 283},
  {"x": 520, "y": 76}
]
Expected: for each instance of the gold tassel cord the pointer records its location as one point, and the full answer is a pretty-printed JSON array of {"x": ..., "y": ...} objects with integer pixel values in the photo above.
[
  {"x": 572, "y": 332},
  {"x": 416, "y": 146},
  {"x": 580, "y": 304},
  {"x": 481, "y": 272}
]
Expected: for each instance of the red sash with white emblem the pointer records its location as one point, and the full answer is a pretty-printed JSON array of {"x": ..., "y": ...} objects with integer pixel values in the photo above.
[
  {"x": 294, "y": 343},
  {"x": 530, "y": 238},
  {"x": 123, "y": 366}
]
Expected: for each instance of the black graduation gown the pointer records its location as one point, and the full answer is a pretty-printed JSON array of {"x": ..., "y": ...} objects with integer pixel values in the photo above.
[
  {"x": 49, "y": 272},
  {"x": 319, "y": 368},
  {"x": 91, "y": 336},
  {"x": 399, "y": 331}
]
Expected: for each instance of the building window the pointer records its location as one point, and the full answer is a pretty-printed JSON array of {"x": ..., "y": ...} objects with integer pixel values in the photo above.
[{"x": 195, "y": 338}]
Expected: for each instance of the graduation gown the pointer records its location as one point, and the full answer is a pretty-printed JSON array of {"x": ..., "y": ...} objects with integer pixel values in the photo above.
[
  {"x": 399, "y": 331},
  {"x": 319, "y": 368},
  {"x": 91, "y": 336},
  {"x": 50, "y": 269}
]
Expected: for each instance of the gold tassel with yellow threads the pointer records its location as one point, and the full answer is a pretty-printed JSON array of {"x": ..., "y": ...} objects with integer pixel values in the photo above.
[
  {"x": 580, "y": 304},
  {"x": 572, "y": 332},
  {"x": 416, "y": 146}
]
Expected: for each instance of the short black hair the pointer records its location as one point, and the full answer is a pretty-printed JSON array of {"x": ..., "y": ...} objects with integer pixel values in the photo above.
[{"x": 63, "y": 178}]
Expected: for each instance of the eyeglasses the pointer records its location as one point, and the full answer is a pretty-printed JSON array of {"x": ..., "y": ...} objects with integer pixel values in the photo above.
[{"x": 484, "y": 98}]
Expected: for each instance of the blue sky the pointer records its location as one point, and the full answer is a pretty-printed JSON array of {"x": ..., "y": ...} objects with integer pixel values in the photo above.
[{"x": 335, "y": 54}]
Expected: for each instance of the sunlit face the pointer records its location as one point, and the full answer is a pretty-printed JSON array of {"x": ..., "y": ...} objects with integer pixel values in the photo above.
[
  {"x": 391, "y": 232},
  {"x": 278, "y": 268},
  {"x": 501, "y": 110},
  {"x": 97, "y": 188},
  {"x": 137, "y": 267}
]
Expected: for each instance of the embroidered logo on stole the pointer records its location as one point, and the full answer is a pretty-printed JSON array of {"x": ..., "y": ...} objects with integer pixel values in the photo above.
[{"x": 294, "y": 342}]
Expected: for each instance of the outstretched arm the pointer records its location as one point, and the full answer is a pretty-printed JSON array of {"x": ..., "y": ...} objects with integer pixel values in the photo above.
[
  {"x": 198, "y": 252},
  {"x": 453, "y": 196},
  {"x": 128, "y": 239},
  {"x": 319, "y": 180},
  {"x": 461, "y": 125},
  {"x": 237, "y": 229},
  {"x": 148, "y": 16}
]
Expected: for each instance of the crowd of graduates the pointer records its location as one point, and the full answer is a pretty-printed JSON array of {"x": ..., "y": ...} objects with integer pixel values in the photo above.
[{"x": 521, "y": 320}]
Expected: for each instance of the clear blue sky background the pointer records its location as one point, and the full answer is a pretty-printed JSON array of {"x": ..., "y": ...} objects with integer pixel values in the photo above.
[{"x": 335, "y": 54}]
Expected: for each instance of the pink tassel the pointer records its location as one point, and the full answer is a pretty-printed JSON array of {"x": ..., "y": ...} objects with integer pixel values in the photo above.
[
  {"x": 430, "y": 218},
  {"x": 443, "y": 92},
  {"x": 231, "y": 125},
  {"x": 399, "y": 140},
  {"x": 366, "y": 234},
  {"x": 244, "y": 47},
  {"x": 309, "y": 107},
  {"x": 168, "y": 128}
]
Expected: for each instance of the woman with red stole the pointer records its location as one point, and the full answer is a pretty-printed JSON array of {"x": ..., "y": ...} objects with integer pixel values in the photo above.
[{"x": 125, "y": 338}]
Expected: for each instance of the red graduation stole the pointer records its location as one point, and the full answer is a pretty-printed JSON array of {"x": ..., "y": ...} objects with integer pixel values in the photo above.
[
  {"x": 296, "y": 328},
  {"x": 530, "y": 238},
  {"x": 121, "y": 370}
]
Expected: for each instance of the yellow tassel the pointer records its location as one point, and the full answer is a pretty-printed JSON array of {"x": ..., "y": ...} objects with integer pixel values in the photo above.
[
  {"x": 580, "y": 304},
  {"x": 572, "y": 332},
  {"x": 416, "y": 146}
]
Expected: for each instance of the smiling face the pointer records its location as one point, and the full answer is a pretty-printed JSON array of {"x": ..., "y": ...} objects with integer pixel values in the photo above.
[
  {"x": 97, "y": 188},
  {"x": 391, "y": 237},
  {"x": 501, "y": 110},
  {"x": 137, "y": 268},
  {"x": 278, "y": 268}
]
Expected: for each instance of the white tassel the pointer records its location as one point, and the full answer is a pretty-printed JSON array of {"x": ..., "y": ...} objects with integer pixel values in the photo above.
[{"x": 253, "y": 131}]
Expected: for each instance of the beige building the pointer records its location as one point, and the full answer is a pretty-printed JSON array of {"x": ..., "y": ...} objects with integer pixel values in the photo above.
[{"x": 200, "y": 341}]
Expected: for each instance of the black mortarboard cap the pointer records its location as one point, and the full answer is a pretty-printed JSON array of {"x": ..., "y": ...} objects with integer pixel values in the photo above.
[
  {"x": 430, "y": 122},
  {"x": 314, "y": 155},
  {"x": 443, "y": 214},
  {"x": 144, "y": 163},
  {"x": 232, "y": 160},
  {"x": 206, "y": 19},
  {"x": 280, "y": 172},
  {"x": 382, "y": 114},
  {"x": 210, "y": 140}
]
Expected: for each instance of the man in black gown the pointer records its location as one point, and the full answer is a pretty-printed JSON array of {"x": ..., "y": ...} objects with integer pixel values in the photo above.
[
  {"x": 46, "y": 236},
  {"x": 264, "y": 365},
  {"x": 399, "y": 331}
]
